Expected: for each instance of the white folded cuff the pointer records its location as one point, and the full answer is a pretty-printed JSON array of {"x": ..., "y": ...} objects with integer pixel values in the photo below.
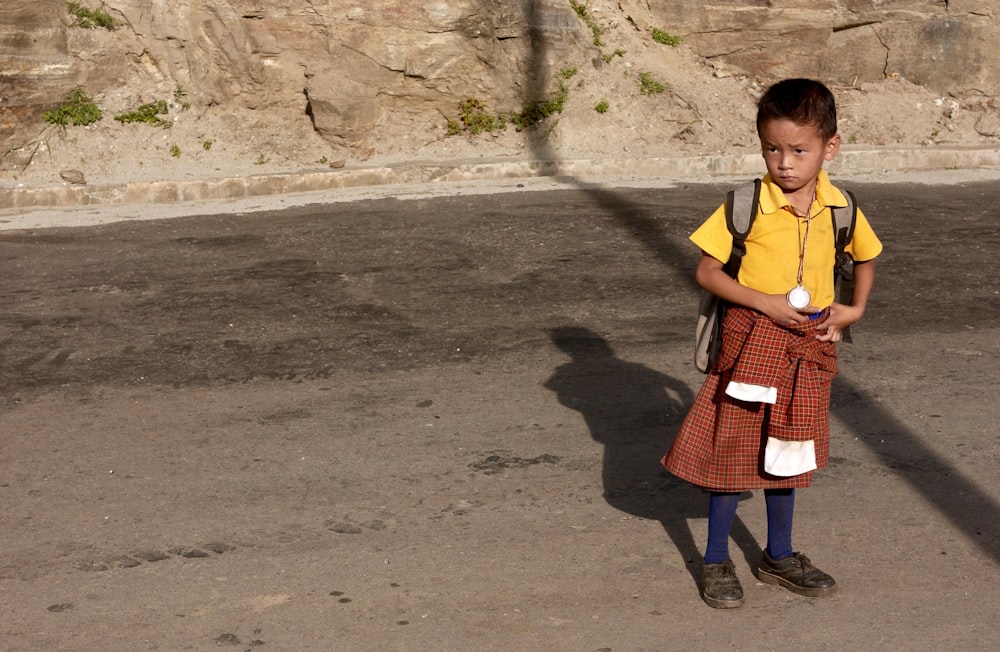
[{"x": 752, "y": 393}]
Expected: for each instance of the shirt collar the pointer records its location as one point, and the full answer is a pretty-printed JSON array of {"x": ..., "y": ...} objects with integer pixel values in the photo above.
[{"x": 772, "y": 199}]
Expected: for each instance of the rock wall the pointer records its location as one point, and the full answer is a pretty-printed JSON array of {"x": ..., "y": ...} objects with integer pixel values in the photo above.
[
  {"x": 947, "y": 45},
  {"x": 349, "y": 65},
  {"x": 354, "y": 66}
]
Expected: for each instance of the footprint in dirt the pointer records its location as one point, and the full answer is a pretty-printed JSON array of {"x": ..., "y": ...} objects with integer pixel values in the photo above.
[{"x": 152, "y": 555}]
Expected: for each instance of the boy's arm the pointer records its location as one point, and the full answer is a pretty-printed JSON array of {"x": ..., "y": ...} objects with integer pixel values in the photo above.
[
  {"x": 711, "y": 276},
  {"x": 842, "y": 316}
]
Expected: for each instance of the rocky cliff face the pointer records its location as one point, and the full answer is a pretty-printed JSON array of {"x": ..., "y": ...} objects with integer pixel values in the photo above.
[
  {"x": 349, "y": 65},
  {"x": 945, "y": 45},
  {"x": 364, "y": 75}
]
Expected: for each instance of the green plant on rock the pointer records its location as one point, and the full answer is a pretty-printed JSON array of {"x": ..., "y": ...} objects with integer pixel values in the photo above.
[
  {"x": 568, "y": 73},
  {"x": 149, "y": 113},
  {"x": 175, "y": 150},
  {"x": 536, "y": 112},
  {"x": 180, "y": 98},
  {"x": 89, "y": 18},
  {"x": 602, "y": 107},
  {"x": 663, "y": 37},
  {"x": 648, "y": 85},
  {"x": 473, "y": 118},
  {"x": 77, "y": 109},
  {"x": 583, "y": 11},
  {"x": 607, "y": 57}
]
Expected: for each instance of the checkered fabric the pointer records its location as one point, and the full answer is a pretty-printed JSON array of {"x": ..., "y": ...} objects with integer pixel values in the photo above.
[{"x": 720, "y": 446}]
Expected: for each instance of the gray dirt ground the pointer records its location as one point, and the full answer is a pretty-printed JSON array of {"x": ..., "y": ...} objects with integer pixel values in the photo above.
[{"x": 433, "y": 423}]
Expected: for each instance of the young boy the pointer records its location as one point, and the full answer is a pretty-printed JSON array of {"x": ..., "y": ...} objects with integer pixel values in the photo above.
[{"x": 761, "y": 419}]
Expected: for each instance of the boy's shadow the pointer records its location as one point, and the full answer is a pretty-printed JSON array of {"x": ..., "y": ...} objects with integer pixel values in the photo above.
[{"x": 635, "y": 412}]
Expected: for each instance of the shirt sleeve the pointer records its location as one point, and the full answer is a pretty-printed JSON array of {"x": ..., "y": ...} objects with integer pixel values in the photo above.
[
  {"x": 865, "y": 245},
  {"x": 713, "y": 236}
]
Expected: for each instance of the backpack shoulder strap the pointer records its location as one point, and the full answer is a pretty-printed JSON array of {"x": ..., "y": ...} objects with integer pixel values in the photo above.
[
  {"x": 741, "y": 209},
  {"x": 844, "y": 219}
]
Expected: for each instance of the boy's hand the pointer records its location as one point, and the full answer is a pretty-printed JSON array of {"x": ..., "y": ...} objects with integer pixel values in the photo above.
[
  {"x": 776, "y": 307},
  {"x": 840, "y": 317}
]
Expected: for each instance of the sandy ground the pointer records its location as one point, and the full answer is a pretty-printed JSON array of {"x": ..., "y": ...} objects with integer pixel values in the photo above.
[{"x": 435, "y": 424}]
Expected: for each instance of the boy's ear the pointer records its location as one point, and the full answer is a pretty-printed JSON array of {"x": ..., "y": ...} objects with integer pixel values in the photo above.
[{"x": 832, "y": 147}]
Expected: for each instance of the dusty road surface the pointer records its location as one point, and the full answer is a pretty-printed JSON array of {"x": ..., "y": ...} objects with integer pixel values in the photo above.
[{"x": 435, "y": 424}]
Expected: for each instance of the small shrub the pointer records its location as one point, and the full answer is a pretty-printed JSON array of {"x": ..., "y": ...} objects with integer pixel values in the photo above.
[
  {"x": 583, "y": 11},
  {"x": 261, "y": 160},
  {"x": 180, "y": 99},
  {"x": 611, "y": 55},
  {"x": 76, "y": 109},
  {"x": 89, "y": 18},
  {"x": 474, "y": 119},
  {"x": 175, "y": 150},
  {"x": 602, "y": 107},
  {"x": 206, "y": 145},
  {"x": 648, "y": 85},
  {"x": 535, "y": 112},
  {"x": 666, "y": 39},
  {"x": 149, "y": 113}
]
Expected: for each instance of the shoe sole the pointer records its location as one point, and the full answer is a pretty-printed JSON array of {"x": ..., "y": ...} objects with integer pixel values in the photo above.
[
  {"x": 715, "y": 603},
  {"x": 768, "y": 578}
]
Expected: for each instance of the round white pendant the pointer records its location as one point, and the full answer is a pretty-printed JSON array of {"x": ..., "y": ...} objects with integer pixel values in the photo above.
[{"x": 798, "y": 298}]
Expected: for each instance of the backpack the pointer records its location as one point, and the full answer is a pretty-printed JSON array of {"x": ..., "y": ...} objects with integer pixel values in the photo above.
[{"x": 741, "y": 210}]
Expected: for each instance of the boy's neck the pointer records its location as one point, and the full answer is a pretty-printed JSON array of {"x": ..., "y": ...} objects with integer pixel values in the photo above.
[{"x": 802, "y": 199}]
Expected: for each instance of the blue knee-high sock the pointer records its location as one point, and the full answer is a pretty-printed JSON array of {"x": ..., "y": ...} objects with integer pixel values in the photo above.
[
  {"x": 721, "y": 514},
  {"x": 780, "y": 507}
]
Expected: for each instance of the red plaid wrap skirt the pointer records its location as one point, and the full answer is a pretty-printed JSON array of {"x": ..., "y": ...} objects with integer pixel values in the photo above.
[{"x": 720, "y": 445}]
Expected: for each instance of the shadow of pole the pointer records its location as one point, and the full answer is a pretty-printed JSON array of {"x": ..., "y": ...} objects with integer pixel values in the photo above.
[
  {"x": 966, "y": 506},
  {"x": 969, "y": 509},
  {"x": 633, "y": 217}
]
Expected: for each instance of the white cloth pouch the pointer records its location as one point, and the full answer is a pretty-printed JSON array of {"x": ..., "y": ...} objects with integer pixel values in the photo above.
[{"x": 787, "y": 458}]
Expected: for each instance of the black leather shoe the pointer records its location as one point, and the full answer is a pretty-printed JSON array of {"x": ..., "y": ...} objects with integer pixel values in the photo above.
[
  {"x": 720, "y": 588},
  {"x": 797, "y": 574}
]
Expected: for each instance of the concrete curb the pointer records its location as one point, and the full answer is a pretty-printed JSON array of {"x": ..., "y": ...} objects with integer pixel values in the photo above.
[{"x": 848, "y": 162}]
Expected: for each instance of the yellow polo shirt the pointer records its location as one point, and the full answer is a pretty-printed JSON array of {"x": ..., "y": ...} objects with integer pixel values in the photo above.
[{"x": 771, "y": 262}]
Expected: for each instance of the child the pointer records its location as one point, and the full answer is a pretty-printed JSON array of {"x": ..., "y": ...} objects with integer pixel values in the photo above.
[{"x": 761, "y": 419}]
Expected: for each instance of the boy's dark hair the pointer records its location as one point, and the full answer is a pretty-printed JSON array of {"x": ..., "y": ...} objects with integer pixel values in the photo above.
[{"x": 803, "y": 101}]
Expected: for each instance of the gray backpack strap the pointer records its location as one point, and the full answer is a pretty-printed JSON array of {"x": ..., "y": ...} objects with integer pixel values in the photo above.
[
  {"x": 741, "y": 209},
  {"x": 844, "y": 219}
]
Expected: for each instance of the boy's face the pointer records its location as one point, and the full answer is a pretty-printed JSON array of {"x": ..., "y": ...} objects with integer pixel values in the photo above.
[{"x": 795, "y": 153}]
